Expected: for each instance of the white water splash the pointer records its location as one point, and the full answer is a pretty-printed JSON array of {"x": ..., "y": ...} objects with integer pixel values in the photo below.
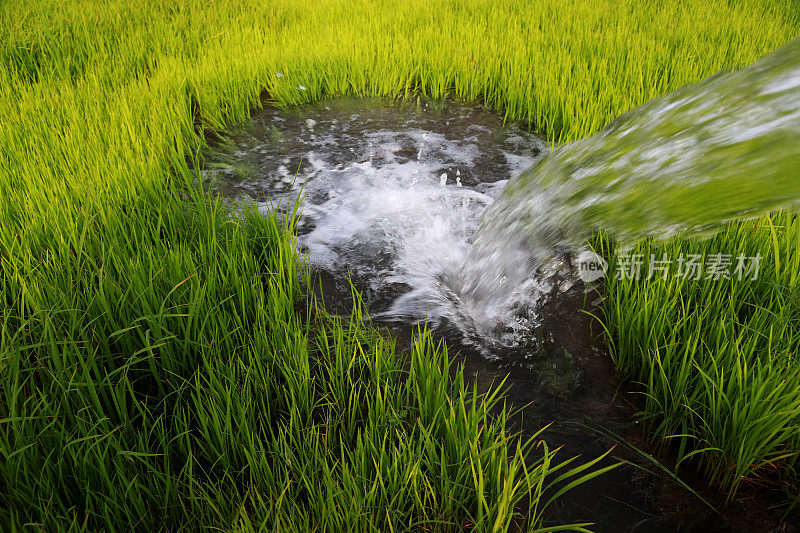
[{"x": 394, "y": 198}]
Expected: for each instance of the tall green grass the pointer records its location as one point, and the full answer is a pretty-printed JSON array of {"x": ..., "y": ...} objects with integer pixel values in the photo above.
[
  {"x": 717, "y": 359},
  {"x": 187, "y": 382},
  {"x": 159, "y": 364}
]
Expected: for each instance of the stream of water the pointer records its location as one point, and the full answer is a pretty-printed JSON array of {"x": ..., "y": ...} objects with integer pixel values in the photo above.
[{"x": 726, "y": 148}]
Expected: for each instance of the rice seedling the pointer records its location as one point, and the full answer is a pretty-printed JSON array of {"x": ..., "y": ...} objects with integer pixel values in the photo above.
[
  {"x": 716, "y": 358},
  {"x": 190, "y": 382}
]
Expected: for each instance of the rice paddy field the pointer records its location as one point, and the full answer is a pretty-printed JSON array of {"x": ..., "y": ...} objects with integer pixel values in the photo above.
[{"x": 165, "y": 367}]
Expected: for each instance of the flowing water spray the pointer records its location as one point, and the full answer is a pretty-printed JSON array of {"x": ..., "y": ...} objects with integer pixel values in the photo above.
[
  {"x": 393, "y": 195},
  {"x": 725, "y": 148},
  {"x": 394, "y": 192}
]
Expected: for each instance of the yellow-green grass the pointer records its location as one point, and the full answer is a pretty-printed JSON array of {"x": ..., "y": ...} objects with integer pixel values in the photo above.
[{"x": 160, "y": 366}]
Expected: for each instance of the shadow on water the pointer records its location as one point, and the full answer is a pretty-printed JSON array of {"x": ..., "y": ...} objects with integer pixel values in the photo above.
[{"x": 394, "y": 192}]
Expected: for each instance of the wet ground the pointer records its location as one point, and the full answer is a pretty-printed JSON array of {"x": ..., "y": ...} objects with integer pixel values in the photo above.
[{"x": 392, "y": 195}]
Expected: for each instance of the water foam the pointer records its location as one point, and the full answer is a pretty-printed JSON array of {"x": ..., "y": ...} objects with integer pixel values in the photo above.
[{"x": 393, "y": 197}]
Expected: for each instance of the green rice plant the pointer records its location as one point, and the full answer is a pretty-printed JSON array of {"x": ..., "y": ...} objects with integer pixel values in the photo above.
[
  {"x": 183, "y": 379},
  {"x": 717, "y": 359}
]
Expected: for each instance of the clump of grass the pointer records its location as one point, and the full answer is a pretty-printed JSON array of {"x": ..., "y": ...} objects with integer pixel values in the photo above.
[
  {"x": 183, "y": 379},
  {"x": 717, "y": 359}
]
